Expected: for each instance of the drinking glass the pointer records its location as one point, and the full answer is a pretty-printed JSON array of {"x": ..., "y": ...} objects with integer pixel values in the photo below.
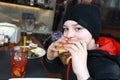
[
  {"x": 18, "y": 58},
  {"x": 29, "y": 26}
]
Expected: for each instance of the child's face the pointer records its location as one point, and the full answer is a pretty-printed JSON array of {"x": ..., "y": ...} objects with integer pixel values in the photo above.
[{"x": 73, "y": 30}]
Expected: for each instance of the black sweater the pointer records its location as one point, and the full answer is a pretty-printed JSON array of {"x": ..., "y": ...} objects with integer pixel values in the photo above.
[{"x": 101, "y": 66}]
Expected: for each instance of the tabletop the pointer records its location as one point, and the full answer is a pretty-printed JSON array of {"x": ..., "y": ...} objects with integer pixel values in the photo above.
[
  {"x": 31, "y": 72},
  {"x": 34, "y": 67}
]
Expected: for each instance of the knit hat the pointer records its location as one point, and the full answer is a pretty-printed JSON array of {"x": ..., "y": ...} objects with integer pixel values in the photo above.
[{"x": 86, "y": 15}]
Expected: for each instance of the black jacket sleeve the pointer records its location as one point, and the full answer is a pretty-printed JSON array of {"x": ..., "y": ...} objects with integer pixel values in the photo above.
[{"x": 52, "y": 66}]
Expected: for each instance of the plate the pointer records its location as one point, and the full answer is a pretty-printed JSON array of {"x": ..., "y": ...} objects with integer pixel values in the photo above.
[
  {"x": 36, "y": 53},
  {"x": 35, "y": 79}
]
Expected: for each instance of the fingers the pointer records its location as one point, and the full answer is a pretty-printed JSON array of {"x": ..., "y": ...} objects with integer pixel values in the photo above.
[
  {"x": 74, "y": 45},
  {"x": 52, "y": 51},
  {"x": 57, "y": 43},
  {"x": 81, "y": 45},
  {"x": 77, "y": 48},
  {"x": 52, "y": 47}
]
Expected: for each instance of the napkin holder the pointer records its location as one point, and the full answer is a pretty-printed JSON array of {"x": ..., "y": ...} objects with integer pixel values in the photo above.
[{"x": 12, "y": 31}]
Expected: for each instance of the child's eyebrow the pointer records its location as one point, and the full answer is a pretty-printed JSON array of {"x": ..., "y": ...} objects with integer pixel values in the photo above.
[{"x": 75, "y": 24}]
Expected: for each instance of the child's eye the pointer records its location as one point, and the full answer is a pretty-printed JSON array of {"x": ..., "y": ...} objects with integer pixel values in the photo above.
[
  {"x": 77, "y": 29},
  {"x": 65, "y": 29}
]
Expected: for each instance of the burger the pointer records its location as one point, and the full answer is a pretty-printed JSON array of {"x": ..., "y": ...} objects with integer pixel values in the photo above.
[
  {"x": 62, "y": 50},
  {"x": 64, "y": 54}
]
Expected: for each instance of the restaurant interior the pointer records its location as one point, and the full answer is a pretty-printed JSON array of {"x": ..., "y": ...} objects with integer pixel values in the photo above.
[{"x": 48, "y": 15}]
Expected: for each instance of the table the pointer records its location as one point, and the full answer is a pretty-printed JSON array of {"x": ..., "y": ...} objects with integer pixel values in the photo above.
[
  {"x": 6, "y": 62},
  {"x": 34, "y": 67}
]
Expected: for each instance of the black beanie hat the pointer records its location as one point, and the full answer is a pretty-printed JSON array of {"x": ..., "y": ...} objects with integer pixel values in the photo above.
[{"x": 86, "y": 15}]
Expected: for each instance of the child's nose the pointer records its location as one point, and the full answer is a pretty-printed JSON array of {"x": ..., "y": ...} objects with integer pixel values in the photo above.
[{"x": 70, "y": 34}]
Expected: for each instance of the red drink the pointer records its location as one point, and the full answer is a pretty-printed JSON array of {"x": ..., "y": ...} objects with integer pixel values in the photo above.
[{"x": 18, "y": 63}]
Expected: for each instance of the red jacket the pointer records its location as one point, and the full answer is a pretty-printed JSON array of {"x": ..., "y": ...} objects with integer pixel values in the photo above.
[{"x": 109, "y": 44}]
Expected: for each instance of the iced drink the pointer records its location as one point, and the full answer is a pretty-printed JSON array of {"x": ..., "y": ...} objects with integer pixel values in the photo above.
[{"x": 18, "y": 61}]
